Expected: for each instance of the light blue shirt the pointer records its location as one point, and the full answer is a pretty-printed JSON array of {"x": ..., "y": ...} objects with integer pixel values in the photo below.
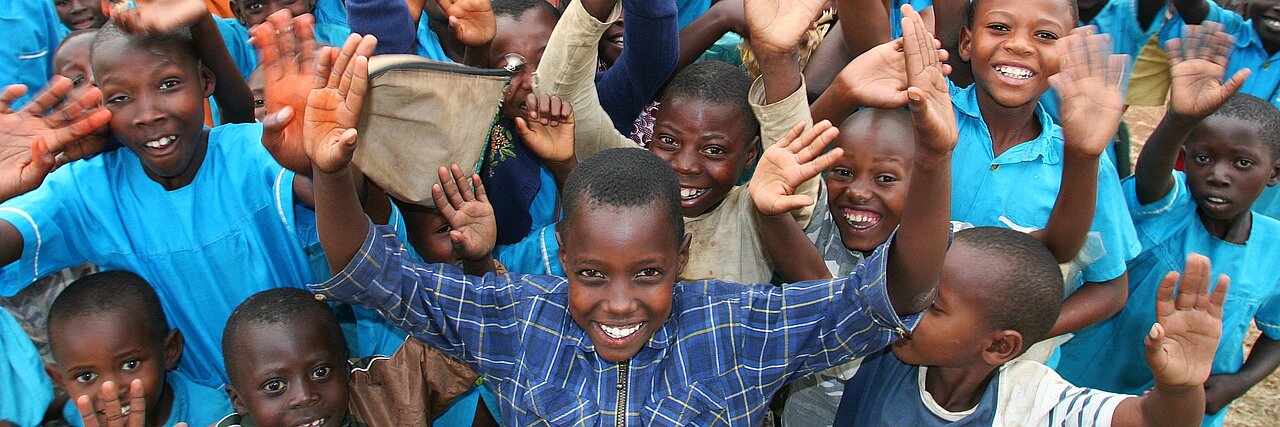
[
  {"x": 895, "y": 14},
  {"x": 232, "y": 232},
  {"x": 25, "y": 390},
  {"x": 1019, "y": 188},
  {"x": 1169, "y": 229},
  {"x": 1247, "y": 53},
  {"x": 689, "y": 10},
  {"x": 236, "y": 37},
  {"x": 31, "y": 32},
  {"x": 428, "y": 45},
  {"x": 193, "y": 403},
  {"x": 330, "y": 12}
]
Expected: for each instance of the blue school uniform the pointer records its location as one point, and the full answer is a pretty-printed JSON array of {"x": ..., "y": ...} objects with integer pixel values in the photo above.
[
  {"x": 31, "y": 32},
  {"x": 1169, "y": 230},
  {"x": 1247, "y": 53},
  {"x": 895, "y": 14},
  {"x": 330, "y": 12},
  {"x": 236, "y": 37},
  {"x": 428, "y": 45},
  {"x": 1018, "y": 189},
  {"x": 193, "y": 403},
  {"x": 232, "y": 232},
  {"x": 25, "y": 390},
  {"x": 688, "y": 10}
]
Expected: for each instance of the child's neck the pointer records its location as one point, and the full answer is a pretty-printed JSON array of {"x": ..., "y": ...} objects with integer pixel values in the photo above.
[
  {"x": 189, "y": 174},
  {"x": 1016, "y": 125},
  {"x": 958, "y": 389},
  {"x": 1235, "y": 230}
]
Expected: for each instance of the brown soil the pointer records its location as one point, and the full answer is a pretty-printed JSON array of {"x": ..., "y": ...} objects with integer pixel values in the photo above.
[{"x": 1261, "y": 406}]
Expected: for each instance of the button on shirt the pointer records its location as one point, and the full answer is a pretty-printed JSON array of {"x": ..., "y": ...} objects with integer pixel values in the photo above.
[
  {"x": 717, "y": 360},
  {"x": 1019, "y": 188}
]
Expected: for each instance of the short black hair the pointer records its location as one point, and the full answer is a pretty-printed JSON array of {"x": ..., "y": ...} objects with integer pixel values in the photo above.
[
  {"x": 110, "y": 32},
  {"x": 115, "y": 293},
  {"x": 1026, "y": 294},
  {"x": 1071, "y": 5},
  {"x": 716, "y": 83},
  {"x": 74, "y": 34},
  {"x": 293, "y": 307},
  {"x": 624, "y": 178},
  {"x": 515, "y": 8},
  {"x": 1257, "y": 112}
]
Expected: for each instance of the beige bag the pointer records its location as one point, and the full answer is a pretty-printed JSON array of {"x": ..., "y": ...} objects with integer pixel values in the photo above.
[{"x": 419, "y": 115}]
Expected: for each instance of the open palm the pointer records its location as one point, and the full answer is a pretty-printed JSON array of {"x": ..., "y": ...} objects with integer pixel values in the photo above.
[
  {"x": 158, "y": 16},
  {"x": 32, "y": 137},
  {"x": 333, "y": 105},
  {"x": 776, "y": 26},
  {"x": 1090, "y": 84},
  {"x": 928, "y": 91},
  {"x": 1188, "y": 325},
  {"x": 1198, "y": 62},
  {"x": 287, "y": 47},
  {"x": 472, "y": 21},
  {"x": 796, "y": 158},
  {"x": 468, "y": 212}
]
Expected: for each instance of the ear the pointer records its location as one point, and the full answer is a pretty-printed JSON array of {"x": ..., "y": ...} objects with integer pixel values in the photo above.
[
  {"x": 208, "y": 79},
  {"x": 172, "y": 349},
  {"x": 235, "y": 9},
  {"x": 1275, "y": 174},
  {"x": 966, "y": 39},
  {"x": 237, "y": 403},
  {"x": 1002, "y": 346},
  {"x": 682, "y": 258},
  {"x": 55, "y": 374},
  {"x": 752, "y": 153}
]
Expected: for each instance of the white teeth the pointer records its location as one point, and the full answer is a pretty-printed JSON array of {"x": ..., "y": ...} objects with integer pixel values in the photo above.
[
  {"x": 316, "y": 423},
  {"x": 1216, "y": 200},
  {"x": 620, "y": 332},
  {"x": 162, "y": 142},
  {"x": 124, "y": 410},
  {"x": 858, "y": 220},
  {"x": 617, "y": 39},
  {"x": 691, "y": 193},
  {"x": 1271, "y": 24},
  {"x": 1015, "y": 72}
]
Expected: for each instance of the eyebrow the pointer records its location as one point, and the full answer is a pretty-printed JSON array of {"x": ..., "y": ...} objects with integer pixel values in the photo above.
[{"x": 888, "y": 159}]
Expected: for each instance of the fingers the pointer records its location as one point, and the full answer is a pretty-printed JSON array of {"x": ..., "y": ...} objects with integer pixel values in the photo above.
[
  {"x": 548, "y": 110},
  {"x": 345, "y": 54},
  {"x": 1236, "y": 82},
  {"x": 788, "y": 203},
  {"x": 481, "y": 195},
  {"x": 137, "y": 404},
  {"x": 1164, "y": 295},
  {"x": 357, "y": 84},
  {"x": 1219, "y": 296},
  {"x": 11, "y": 93},
  {"x": 304, "y": 28},
  {"x": 286, "y": 42},
  {"x": 264, "y": 38},
  {"x": 75, "y": 123},
  {"x": 1155, "y": 354},
  {"x": 278, "y": 120},
  {"x": 461, "y": 179},
  {"x": 450, "y": 187},
  {"x": 1195, "y": 282},
  {"x": 50, "y": 97},
  {"x": 814, "y": 141},
  {"x": 88, "y": 416},
  {"x": 792, "y": 135},
  {"x": 111, "y": 404}
]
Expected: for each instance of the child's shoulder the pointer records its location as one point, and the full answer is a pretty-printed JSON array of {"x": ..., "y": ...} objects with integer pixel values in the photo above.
[{"x": 195, "y": 403}]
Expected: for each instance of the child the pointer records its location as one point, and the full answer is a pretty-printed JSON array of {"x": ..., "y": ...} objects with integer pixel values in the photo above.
[
  {"x": 1011, "y": 159},
  {"x": 1231, "y": 150},
  {"x": 620, "y": 341},
  {"x": 256, "y": 87},
  {"x": 71, "y": 60},
  {"x": 287, "y": 360},
  {"x": 250, "y": 13},
  {"x": 1000, "y": 292},
  {"x": 80, "y": 14},
  {"x": 31, "y": 30},
  {"x": 109, "y": 327},
  {"x": 205, "y": 215}
]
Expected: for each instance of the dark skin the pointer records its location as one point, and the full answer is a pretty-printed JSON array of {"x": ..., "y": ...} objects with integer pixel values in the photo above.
[
  {"x": 80, "y": 14},
  {"x": 708, "y": 145},
  {"x": 1260, "y": 11},
  {"x": 290, "y": 375},
  {"x": 1221, "y": 390},
  {"x": 527, "y": 36},
  {"x": 254, "y": 12}
]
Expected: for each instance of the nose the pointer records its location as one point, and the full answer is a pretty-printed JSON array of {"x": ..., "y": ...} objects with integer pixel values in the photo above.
[
  {"x": 148, "y": 111},
  {"x": 619, "y": 302},
  {"x": 1018, "y": 43},
  {"x": 1218, "y": 175},
  {"x": 304, "y": 394},
  {"x": 79, "y": 5},
  {"x": 685, "y": 163},
  {"x": 858, "y": 191}
]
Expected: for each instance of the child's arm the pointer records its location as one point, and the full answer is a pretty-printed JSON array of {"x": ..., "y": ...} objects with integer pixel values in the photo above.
[
  {"x": 784, "y": 166},
  {"x": 1180, "y": 349},
  {"x": 470, "y": 216},
  {"x": 391, "y": 21},
  {"x": 651, "y": 38},
  {"x": 776, "y": 29},
  {"x": 287, "y": 46},
  {"x": 235, "y": 100},
  {"x": 724, "y": 16},
  {"x": 1199, "y": 61},
  {"x": 862, "y": 26},
  {"x": 1221, "y": 390},
  {"x": 548, "y": 132},
  {"x": 1192, "y": 11},
  {"x": 30, "y": 139},
  {"x": 915, "y": 258},
  {"x": 1089, "y": 84}
]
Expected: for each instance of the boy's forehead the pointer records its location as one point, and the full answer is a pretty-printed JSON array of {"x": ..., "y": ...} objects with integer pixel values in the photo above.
[
  {"x": 1229, "y": 132},
  {"x": 704, "y": 117},
  {"x": 138, "y": 53},
  {"x": 1053, "y": 10}
]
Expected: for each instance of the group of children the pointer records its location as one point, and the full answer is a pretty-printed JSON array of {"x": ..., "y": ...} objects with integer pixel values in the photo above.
[{"x": 909, "y": 214}]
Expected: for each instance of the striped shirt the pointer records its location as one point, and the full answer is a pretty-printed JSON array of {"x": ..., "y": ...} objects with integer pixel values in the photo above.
[{"x": 717, "y": 360}]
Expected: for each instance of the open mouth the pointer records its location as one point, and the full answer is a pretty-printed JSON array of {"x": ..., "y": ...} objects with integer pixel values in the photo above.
[
  {"x": 621, "y": 332},
  {"x": 688, "y": 194},
  {"x": 1013, "y": 72},
  {"x": 1271, "y": 24},
  {"x": 861, "y": 220},
  {"x": 161, "y": 143},
  {"x": 617, "y": 40},
  {"x": 83, "y": 23},
  {"x": 316, "y": 423}
]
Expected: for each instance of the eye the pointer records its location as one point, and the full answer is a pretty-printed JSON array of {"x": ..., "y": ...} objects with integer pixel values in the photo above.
[
  {"x": 666, "y": 142},
  {"x": 715, "y": 150},
  {"x": 1244, "y": 163},
  {"x": 444, "y": 229},
  {"x": 886, "y": 179},
  {"x": 1200, "y": 158},
  {"x": 321, "y": 373},
  {"x": 650, "y": 273},
  {"x": 117, "y": 99},
  {"x": 1046, "y": 35},
  {"x": 591, "y": 274},
  {"x": 169, "y": 84},
  {"x": 842, "y": 173},
  {"x": 130, "y": 365},
  {"x": 77, "y": 80},
  {"x": 258, "y": 102},
  {"x": 273, "y": 386},
  {"x": 998, "y": 27},
  {"x": 86, "y": 377},
  {"x": 255, "y": 7}
]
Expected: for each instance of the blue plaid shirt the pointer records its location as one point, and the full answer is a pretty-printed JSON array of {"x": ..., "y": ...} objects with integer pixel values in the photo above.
[{"x": 717, "y": 361}]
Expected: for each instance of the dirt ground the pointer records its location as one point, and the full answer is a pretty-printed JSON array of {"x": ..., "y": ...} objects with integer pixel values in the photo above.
[{"x": 1261, "y": 406}]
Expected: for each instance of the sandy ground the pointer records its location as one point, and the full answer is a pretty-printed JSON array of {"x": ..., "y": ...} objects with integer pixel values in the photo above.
[{"x": 1261, "y": 406}]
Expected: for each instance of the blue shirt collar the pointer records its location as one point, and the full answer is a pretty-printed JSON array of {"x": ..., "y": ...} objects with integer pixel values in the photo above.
[{"x": 1043, "y": 146}]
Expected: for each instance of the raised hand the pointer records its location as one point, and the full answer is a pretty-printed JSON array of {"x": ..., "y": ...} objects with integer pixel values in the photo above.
[
  {"x": 928, "y": 93},
  {"x": 333, "y": 105},
  {"x": 777, "y": 26},
  {"x": 548, "y": 131},
  {"x": 469, "y": 214},
  {"x": 1091, "y": 85},
  {"x": 158, "y": 16},
  {"x": 796, "y": 158},
  {"x": 287, "y": 46},
  {"x": 472, "y": 21},
  {"x": 878, "y": 77},
  {"x": 1182, "y": 342},
  {"x": 1198, "y": 61},
  {"x": 115, "y": 414},
  {"x": 32, "y": 137}
]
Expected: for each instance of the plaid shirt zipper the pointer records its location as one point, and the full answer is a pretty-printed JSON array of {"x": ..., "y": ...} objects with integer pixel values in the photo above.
[{"x": 624, "y": 368}]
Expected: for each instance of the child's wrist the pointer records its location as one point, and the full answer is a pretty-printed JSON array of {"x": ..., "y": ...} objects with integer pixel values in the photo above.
[{"x": 1178, "y": 390}]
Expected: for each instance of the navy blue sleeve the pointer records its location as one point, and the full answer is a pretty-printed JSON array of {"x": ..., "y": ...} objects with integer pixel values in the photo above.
[
  {"x": 650, "y": 52},
  {"x": 388, "y": 20}
]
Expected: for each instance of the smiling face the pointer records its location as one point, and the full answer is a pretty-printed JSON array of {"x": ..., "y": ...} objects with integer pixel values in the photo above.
[
  {"x": 1266, "y": 21},
  {"x": 80, "y": 14},
  {"x": 1227, "y": 168},
  {"x": 526, "y": 36},
  {"x": 113, "y": 346},
  {"x": 1010, "y": 47},
  {"x": 159, "y": 114},
  {"x": 954, "y": 331},
  {"x": 611, "y": 43},
  {"x": 621, "y": 265},
  {"x": 868, "y": 185},
  {"x": 254, "y": 12},
  {"x": 290, "y": 375},
  {"x": 709, "y": 146},
  {"x": 72, "y": 60}
]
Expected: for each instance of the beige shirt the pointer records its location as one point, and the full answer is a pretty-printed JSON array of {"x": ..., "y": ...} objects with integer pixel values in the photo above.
[{"x": 725, "y": 244}]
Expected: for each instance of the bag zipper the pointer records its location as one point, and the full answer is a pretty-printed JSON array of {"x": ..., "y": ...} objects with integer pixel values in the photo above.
[{"x": 444, "y": 66}]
